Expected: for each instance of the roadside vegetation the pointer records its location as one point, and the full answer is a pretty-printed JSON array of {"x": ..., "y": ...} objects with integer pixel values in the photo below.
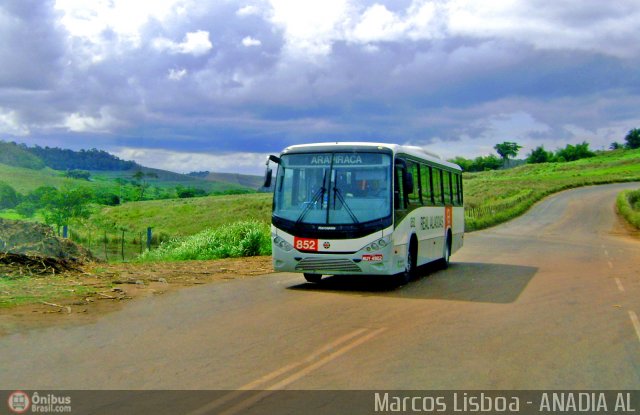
[
  {"x": 494, "y": 197},
  {"x": 239, "y": 239},
  {"x": 628, "y": 204}
]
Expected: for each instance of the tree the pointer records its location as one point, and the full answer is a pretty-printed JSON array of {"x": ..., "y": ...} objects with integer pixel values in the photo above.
[
  {"x": 633, "y": 138},
  {"x": 141, "y": 182},
  {"x": 507, "y": 149},
  {"x": 539, "y": 155},
  {"x": 78, "y": 174},
  {"x": 62, "y": 206},
  {"x": 572, "y": 153},
  {"x": 615, "y": 146},
  {"x": 8, "y": 196}
]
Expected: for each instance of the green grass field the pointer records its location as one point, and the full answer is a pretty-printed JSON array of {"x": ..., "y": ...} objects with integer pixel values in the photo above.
[
  {"x": 183, "y": 217},
  {"x": 25, "y": 180}
]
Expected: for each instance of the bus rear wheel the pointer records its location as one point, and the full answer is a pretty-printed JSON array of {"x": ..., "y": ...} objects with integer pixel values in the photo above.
[{"x": 315, "y": 278}]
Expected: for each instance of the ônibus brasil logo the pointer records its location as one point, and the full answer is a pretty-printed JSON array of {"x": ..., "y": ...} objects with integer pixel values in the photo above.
[{"x": 19, "y": 402}]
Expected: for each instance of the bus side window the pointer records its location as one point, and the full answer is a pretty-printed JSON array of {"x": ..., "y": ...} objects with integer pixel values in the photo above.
[
  {"x": 448, "y": 199},
  {"x": 425, "y": 185},
  {"x": 437, "y": 186},
  {"x": 461, "y": 190},
  {"x": 414, "y": 197},
  {"x": 399, "y": 197}
]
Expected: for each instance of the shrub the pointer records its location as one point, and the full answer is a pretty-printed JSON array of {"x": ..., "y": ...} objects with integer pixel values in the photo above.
[
  {"x": 239, "y": 239},
  {"x": 628, "y": 203}
]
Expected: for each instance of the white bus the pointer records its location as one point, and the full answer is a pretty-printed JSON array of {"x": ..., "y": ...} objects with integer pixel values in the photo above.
[{"x": 363, "y": 208}]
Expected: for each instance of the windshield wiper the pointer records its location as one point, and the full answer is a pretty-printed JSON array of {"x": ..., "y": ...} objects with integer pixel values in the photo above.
[
  {"x": 318, "y": 195},
  {"x": 337, "y": 192}
]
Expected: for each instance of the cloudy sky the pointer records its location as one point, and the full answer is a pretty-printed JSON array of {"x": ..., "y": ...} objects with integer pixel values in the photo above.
[{"x": 216, "y": 85}]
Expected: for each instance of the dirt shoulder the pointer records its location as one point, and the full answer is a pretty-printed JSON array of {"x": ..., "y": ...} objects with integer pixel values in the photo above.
[{"x": 99, "y": 288}]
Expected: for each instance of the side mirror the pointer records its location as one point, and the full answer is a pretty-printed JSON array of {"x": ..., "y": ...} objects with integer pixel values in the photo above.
[
  {"x": 267, "y": 177},
  {"x": 268, "y": 174}
]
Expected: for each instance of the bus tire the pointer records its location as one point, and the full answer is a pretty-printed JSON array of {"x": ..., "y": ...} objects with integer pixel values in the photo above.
[
  {"x": 446, "y": 254},
  {"x": 315, "y": 278},
  {"x": 412, "y": 258}
]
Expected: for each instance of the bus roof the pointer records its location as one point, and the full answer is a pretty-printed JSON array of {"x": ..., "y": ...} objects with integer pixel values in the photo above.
[{"x": 414, "y": 151}]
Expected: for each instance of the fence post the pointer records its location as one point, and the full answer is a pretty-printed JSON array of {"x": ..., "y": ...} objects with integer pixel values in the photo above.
[
  {"x": 149, "y": 238},
  {"x": 106, "y": 255}
]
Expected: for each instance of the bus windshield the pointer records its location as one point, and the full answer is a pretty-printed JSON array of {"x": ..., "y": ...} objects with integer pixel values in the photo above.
[{"x": 333, "y": 188}]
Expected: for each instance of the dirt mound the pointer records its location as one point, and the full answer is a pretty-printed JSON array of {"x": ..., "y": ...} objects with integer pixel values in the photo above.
[{"x": 27, "y": 247}]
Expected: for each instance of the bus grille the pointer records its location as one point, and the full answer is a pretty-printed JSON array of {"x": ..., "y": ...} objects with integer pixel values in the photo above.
[{"x": 322, "y": 264}]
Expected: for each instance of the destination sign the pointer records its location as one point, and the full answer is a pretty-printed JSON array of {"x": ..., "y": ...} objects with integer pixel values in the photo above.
[{"x": 337, "y": 159}]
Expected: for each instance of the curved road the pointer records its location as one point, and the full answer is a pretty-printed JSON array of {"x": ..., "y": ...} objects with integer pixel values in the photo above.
[{"x": 547, "y": 301}]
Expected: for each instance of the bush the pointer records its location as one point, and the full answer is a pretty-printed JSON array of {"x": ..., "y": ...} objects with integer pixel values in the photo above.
[
  {"x": 633, "y": 138},
  {"x": 239, "y": 239},
  {"x": 573, "y": 153},
  {"x": 628, "y": 203}
]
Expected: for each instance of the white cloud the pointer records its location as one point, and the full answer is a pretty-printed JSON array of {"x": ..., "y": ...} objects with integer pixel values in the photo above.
[
  {"x": 596, "y": 26},
  {"x": 80, "y": 122},
  {"x": 10, "y": 124},
  {"x": 89, "y": 21},
  {"x": 378, "y": 24},
  {"x": 249, "y": 41},
  {"x": 248, "y": 10},
  {"x": 195, "y": 43},
  {"x": 310, "y": 26},
  {"x": 185, "y": 162},
  {"x": 177, "y": 74}
]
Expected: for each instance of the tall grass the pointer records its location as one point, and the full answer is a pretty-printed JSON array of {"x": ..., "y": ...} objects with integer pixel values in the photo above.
[
  {"x": 628, "y": 203},
  {"x": 239, "y": 239}
]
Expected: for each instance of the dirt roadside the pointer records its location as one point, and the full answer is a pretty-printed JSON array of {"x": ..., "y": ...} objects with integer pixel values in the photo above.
[{"x": 99, "y": 288}]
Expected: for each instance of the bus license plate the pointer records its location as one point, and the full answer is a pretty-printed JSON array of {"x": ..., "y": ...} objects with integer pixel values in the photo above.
[
  {"x": 375, "y": 257},
  {"x": 305, "y": 244}
]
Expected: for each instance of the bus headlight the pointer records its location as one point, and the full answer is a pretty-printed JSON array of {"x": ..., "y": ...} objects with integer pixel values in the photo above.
[
  {"x": 284, "y": 245},
  {"x": 379, "y": 244}
]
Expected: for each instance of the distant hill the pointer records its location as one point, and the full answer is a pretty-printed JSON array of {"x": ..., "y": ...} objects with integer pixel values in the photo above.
[
  {"x": 166, "y": 178},
  {"x": 18, "y": 155},
  {"x": 94, "y": 159},
  {"x": 247, "y": 180},
  {"x": 103, "y": 167}
]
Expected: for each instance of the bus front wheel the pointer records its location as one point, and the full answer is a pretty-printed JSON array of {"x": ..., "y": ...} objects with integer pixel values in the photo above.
[
  {"x": 410, "y": 267},
  {"x": 312, "y": 277}
]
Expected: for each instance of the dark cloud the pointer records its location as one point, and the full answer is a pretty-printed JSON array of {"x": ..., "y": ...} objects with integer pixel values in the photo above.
[{"x": 450, "y": 84}]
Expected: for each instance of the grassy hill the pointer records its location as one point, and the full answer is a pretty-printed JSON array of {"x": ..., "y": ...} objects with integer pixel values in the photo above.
[
  {"x": 170, "y": 179},
  {"x": 251, "y": 181},
  {"x": 18, "y": 156},
  {"x": 24, "y": 180},
  {"x": 496, "y": 196},
  {"x": 182, "y": 217},
  {"x": 26, "y": 168}
]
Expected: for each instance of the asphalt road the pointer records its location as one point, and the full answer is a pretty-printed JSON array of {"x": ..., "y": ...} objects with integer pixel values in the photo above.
[{"x": 547, "y": 301}]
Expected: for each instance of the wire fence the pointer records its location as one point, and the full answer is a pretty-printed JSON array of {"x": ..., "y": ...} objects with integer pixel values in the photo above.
[{"x": 115, "y": 244}]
